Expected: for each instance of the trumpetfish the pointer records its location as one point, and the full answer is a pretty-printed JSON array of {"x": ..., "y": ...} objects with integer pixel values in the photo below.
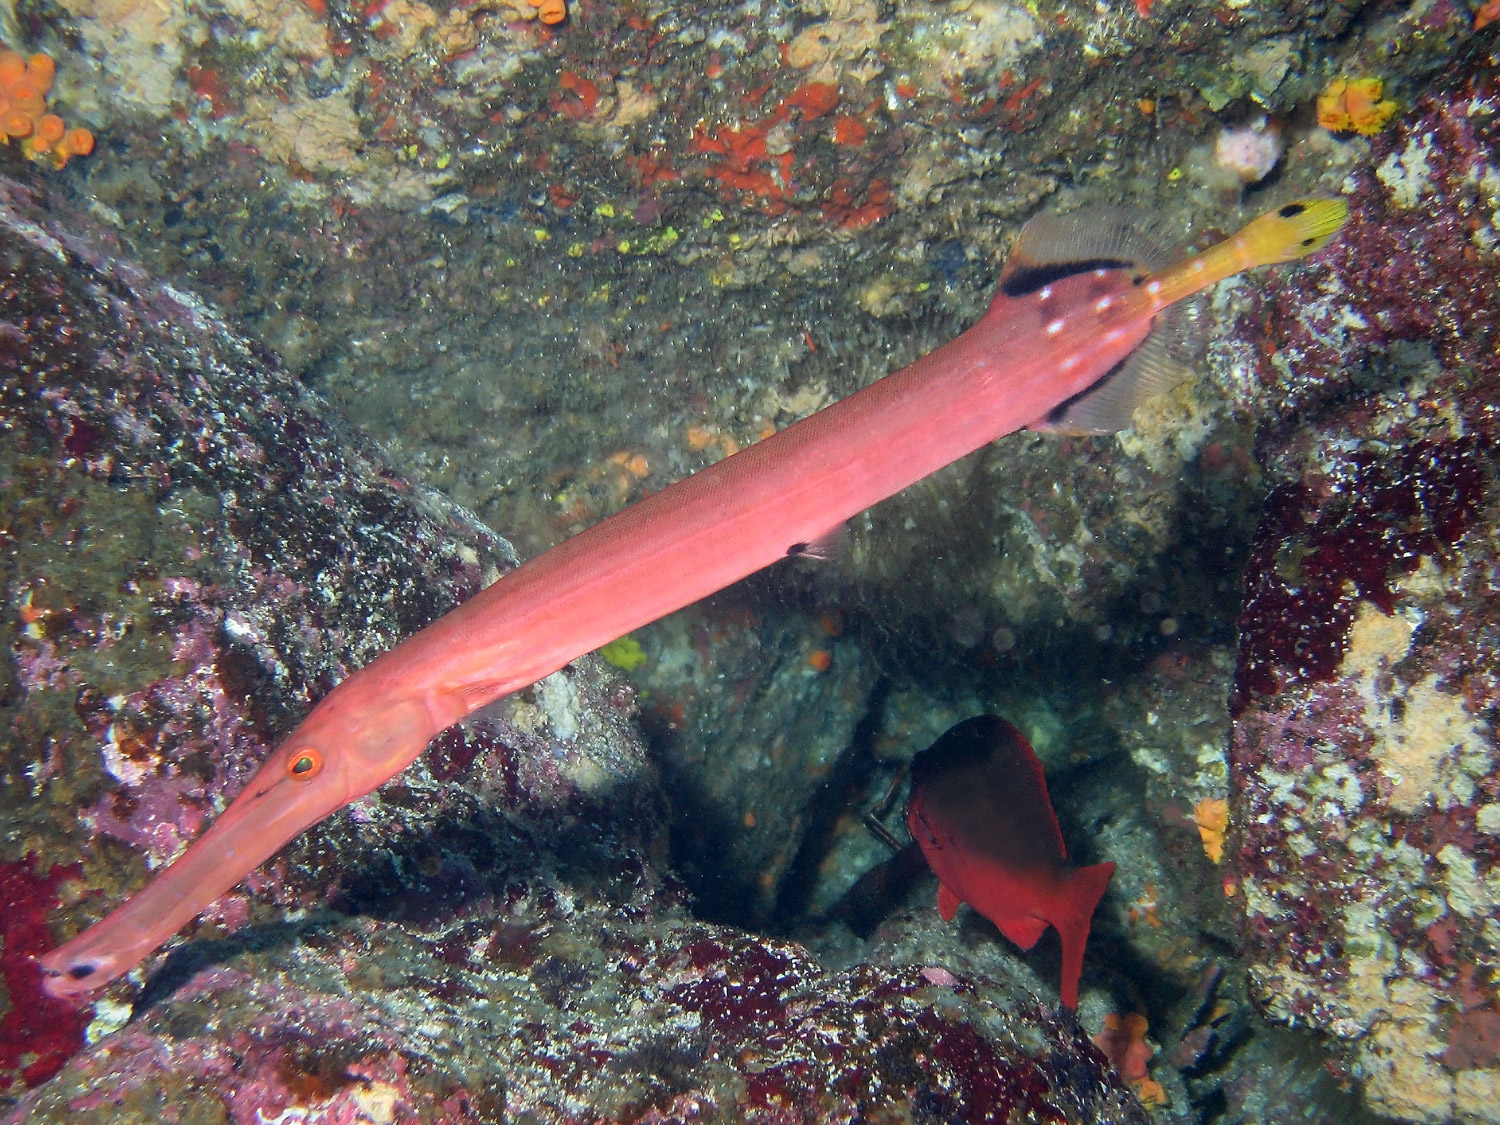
[{"x": 1075, "y": 302}]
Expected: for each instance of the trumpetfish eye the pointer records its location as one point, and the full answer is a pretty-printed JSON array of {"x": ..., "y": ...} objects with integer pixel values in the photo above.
[{"x": 304, "y": 765}]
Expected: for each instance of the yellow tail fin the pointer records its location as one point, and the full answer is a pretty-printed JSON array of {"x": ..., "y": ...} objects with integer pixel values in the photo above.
[{"x": 1294, "y": 230}]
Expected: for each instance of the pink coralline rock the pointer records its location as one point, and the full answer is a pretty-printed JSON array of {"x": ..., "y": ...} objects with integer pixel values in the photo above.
[
  {"x": 584, "y": 1018},
  {"x": 1248, "y": 152},
  {"x": 1365, "y": 782}
]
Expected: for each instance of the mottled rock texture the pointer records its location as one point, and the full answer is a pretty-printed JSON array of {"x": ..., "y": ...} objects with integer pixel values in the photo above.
[{"x": 1365, "y": 769}]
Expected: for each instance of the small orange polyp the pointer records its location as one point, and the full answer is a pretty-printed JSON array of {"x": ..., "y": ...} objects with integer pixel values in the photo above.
[
  {"x": 41, "y": 70},
  {"x": 551, "y": 11},
  {"x": 1211, "y": 815},
  {"x": 12, "y": 69},
  {"x": 1354, "y": 105},
  {"x": 24, "y": 97}
]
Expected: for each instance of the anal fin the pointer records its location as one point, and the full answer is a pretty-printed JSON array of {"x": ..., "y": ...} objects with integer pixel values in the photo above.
[
  {"x": 1086, "y": 886},
  {"x": 1024, "y": 931}
]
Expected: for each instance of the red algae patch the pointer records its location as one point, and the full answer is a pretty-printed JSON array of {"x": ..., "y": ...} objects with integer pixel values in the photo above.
[
  {"x": 1316, "y": 556},
  {"x": 38, "y": 1034}
]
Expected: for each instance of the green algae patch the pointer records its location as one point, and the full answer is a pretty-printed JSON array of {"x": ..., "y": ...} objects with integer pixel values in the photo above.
[{"x": 625, "y": 653}]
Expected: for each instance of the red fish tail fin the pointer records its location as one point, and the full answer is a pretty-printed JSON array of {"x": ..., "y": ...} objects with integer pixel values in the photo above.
[{"x": 1086, "y": 886}]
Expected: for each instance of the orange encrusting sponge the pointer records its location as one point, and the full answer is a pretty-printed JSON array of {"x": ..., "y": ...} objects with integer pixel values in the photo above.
[
  {"x": 1354, "y": 105},
  {"x": 24, "y": 85}
]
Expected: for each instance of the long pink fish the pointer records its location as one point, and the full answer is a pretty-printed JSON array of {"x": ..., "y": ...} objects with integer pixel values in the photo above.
[{"x": 1031, "y": 353}]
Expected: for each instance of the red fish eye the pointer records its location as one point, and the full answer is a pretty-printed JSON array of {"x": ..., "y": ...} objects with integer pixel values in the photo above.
[{"x": 304, "y": 764}]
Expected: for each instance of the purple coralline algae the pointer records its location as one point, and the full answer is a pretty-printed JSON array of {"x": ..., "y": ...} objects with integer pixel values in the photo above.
[{"x": 1365, "y": 776}]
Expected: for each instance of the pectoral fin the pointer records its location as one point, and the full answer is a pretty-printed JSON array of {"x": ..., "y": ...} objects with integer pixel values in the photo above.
[
  {"x": 1163, "y": 360},
  {"x": 948, "y": 903},
  {"x": 831, "y": 544}
]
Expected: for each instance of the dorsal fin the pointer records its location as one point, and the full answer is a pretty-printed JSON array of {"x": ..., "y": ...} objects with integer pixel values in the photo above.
[
  {"x": 1165, "y": 358},
  {"x": 1053, "y": 246},
  {"x": 832, "y": 544}
]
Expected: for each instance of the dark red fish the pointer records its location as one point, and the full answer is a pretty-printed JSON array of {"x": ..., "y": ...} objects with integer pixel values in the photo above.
[{"x": 979, "y": 811}]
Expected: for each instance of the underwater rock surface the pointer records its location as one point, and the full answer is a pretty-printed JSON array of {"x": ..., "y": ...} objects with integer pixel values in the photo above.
[
  {"x": 558, "y": 267},
  {"x": 599, "y": 1018},
  {"x": 194, "y": 549},
  {"x": 750, "y": 712},
  {"x": 1365, "y": 772}
]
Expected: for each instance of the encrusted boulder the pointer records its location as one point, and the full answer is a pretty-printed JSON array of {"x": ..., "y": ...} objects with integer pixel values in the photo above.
[{"x": 1365, "y": 781}]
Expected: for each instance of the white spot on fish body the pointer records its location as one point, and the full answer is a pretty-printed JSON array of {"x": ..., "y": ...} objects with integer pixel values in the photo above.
[
  {"x": 1101, "y": 272},
  {"x": 1068, "y": 363},
  {"x": 1103, "y": 304},
  {"x": 1153, "y": 287},
  {"x": 1113, "y": 334},
  {"x": 1044, "y": 292},
  {"x": 1055, "y": 327}
]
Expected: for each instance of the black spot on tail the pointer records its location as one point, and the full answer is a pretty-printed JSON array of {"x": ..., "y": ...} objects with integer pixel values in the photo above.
[{"x": 78, "y": 972}]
